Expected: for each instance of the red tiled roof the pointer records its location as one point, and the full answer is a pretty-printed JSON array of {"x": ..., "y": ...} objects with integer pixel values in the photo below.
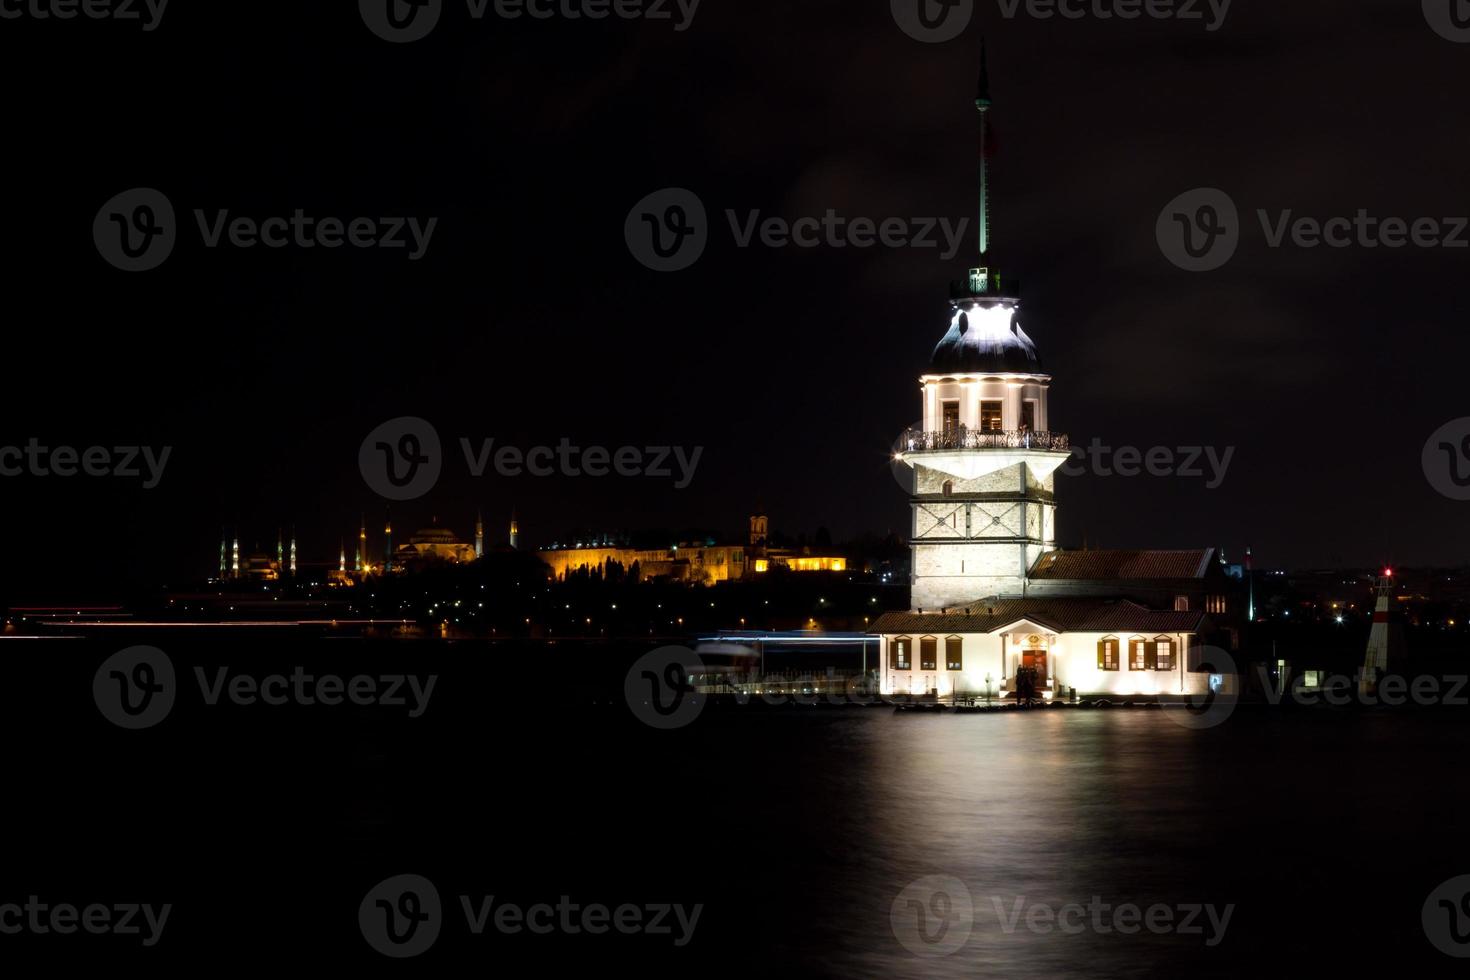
[
  {"x": 1119, "y": 564},
  {"x": 1064, "y": 615}
]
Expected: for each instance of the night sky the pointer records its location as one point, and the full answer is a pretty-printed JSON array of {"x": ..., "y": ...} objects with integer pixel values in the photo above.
[{"x": 528, "y": 320}]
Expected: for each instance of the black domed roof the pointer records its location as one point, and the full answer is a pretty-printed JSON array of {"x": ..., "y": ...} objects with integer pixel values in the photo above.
[{"x": 986, "y": 337}]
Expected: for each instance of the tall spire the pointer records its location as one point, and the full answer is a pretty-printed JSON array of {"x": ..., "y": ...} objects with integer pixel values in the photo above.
[
  {"x": 479, "y": 535},
  {"x": 982, "y": 104}
]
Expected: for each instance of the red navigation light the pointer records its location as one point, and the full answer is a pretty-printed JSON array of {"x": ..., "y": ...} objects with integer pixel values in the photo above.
[{"x": 1388, "y": 573}]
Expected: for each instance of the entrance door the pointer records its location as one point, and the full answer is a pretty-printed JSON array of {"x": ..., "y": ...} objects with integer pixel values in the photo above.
[{"x": 1037, "y": 659}]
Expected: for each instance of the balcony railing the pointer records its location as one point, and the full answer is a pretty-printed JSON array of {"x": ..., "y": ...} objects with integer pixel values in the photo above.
[{"x": 915, "y": 441}]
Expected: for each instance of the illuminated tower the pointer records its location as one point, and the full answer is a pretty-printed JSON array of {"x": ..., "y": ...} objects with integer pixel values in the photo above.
[
  {"x": 235, "y": 556},
  {"x": 280, "y": 554},
  {"x": 479, "y": 535},
  {"x": 1385, "y": 639},
  {"x": 362, "y": 551},
  {"x": 341, "y": 556},
  {"x": 388, "y": 544},
  {"x": 223, "y": 541},
  {"x": 759, "y": 529},
  {"x": 293, "y": 551},
  {"x": 983, "y": 462},
  {"x": 515, "y": 531}
]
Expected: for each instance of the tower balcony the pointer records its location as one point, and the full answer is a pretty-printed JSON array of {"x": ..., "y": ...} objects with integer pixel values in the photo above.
[
  {"x": 962, "y": 440},
  {"x": 967, "y": 453}
]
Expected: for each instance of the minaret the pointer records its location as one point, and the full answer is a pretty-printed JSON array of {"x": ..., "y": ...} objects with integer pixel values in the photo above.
[
  {"x": 985, "y": 459},
  {"x": 224, "y": 535},
  {"x": 362, "y": 552},
  {"x": 1385, "y": 640},
  {"x": 479, "y": 535},
  {"x": 342, "y": 555},
  {"x": 280, "y": 554},
  {"x": 388, "y": 544},
  {"x": 293, "y": 552},
  {"x": 515, "y": 531},
  {"x": 235, "y": 556}
]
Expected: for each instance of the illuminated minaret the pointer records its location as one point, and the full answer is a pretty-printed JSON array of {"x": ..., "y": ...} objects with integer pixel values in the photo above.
[
  {"x": 388, "y": 544},
  {"x": 235, "y": 556},
  {"x": 341, "y": 555},
  {"x": 224, "y": 535},
  {"x": 362, "y": 551},
  {"x": 479, "y": 536},
  {"x": 293, "y": 551},
  {"x": 984, "y": 460},
  {"x": 515, "y": 531},
  {"x": 280, "y": 554}
]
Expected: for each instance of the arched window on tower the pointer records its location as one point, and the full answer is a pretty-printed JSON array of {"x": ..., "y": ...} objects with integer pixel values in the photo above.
[{"x": 948, "y": 488}]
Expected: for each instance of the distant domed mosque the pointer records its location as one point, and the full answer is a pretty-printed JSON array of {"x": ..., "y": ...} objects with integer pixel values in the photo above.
[{"x": 996, "y": 607}]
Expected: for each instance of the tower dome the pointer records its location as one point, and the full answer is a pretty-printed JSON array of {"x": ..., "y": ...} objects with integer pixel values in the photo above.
[{"x": 985, "y": 337}]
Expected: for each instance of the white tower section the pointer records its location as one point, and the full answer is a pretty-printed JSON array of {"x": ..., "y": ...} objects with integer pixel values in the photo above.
[{"x": 983, "y": 464}]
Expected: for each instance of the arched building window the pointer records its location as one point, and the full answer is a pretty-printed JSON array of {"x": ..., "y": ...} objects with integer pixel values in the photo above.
[
  {"x": 948, "y": 488},
  {"x": 1138, "y": 649},
  {"x": 954, "y": 658},
  {"x": 1163, "y": 653},
  {"x": 1107, "y": 653},
  {"x": 928, "y": 653},
  {"x": 902, "y": 652}
]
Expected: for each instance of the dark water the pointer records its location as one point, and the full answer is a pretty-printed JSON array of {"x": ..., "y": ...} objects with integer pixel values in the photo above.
[{"x": 797, "y": 829}]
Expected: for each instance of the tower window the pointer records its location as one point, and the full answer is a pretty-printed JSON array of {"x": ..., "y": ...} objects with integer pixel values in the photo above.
[
  {"x": 1215, "y": 604},
  {"x": 951, "y": 416},
  {"x": 1028, "y": 415},
  {"x": 990, "y": 416},
  {"x": 948, "y": 488}
]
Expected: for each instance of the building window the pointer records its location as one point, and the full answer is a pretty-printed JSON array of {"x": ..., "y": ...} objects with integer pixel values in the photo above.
[
  {"x": 928, "y": 653},
  {"x": 990, "y": 420},
  {"x": 1107, "y": 653},
  {"x": 1163, "y": 653},
  {"x": 948, "y": 488},
  {"x": 1181, "y": 603},
  {"x": 1215, "y": 604},
  {"x": 902, "y": 650},
  {"x": 1028, "y": 415},
  {"x": 951, "y": 417},
  {"x": 1138, "y": 653},
  {"x": 954, "y": 653}
]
